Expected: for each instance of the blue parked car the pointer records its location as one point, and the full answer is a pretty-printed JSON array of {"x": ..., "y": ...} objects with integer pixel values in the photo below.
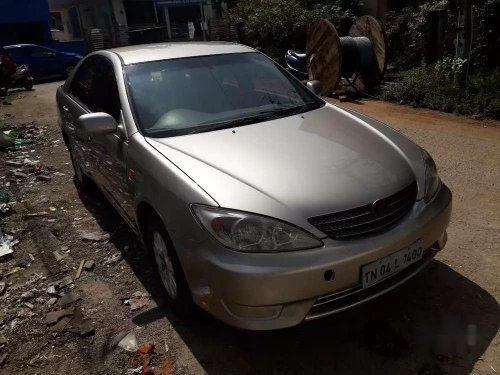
[{"x": 43, "y": 61}]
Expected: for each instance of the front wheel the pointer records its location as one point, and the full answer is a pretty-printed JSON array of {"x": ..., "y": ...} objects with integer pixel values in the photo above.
[
  {"x": 81, "y": 180},
  {"x": 169, "y": 269}
]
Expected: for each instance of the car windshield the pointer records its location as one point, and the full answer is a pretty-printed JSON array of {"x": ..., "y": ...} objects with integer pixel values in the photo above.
[{"x": 197, "y": 94}]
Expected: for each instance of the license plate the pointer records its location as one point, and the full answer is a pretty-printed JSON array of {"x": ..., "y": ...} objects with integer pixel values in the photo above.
[{"x": 381, "y": 269}]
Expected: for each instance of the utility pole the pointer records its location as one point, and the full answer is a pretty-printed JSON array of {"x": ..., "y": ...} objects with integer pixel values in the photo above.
[{"x": 464, "y": 38}]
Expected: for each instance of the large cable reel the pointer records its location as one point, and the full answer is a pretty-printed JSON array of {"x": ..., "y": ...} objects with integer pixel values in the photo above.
[{"x": 360, "y": 57}]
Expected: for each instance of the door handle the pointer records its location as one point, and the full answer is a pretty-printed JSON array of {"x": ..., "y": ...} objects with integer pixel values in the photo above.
[{"x": 66, "y": 109}]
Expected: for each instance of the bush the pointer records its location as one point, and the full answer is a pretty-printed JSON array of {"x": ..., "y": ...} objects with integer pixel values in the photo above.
[{"x": 434, "y": 87}]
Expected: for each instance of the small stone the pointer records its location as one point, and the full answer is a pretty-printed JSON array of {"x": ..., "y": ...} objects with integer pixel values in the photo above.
[
  {"x": 3, "y": 340},
  {"x": 69, "y": 298},
  {"x": 29, "y": 305},
  {"x": 54, "y": 316},
  {"x": 42, "y": 177},
  {"x": 27, "y": 295},
  {"x": 18, "y": 174},
  {"x": 40, "y": 300},
  {"x": 2, "y": 287},
  {"x": 94, "y": 237},
  {"x": 13, "y": 163},
  {"x": 52, "y": 301},
  {"x": 88, "y": 265}
]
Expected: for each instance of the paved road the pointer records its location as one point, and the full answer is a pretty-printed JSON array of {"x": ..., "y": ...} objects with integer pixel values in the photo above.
[{"x": 443, "y": 321}]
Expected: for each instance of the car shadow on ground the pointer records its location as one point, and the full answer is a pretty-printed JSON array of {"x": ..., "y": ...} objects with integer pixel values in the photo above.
[{"x": 439, "y": 322}]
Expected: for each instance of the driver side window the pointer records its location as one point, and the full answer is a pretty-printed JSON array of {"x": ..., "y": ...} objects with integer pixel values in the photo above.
[{"x": 94, "y": 85}]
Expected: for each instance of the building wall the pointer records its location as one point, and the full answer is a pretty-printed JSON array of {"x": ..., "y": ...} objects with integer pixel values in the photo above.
[{"x": 24, "y": 21}]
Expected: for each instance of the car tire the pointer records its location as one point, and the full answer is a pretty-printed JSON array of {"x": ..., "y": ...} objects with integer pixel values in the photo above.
[
  {"x": 169, "y": 268},
  {"x": 28, "y": 86},
  {"x": 82, "y": 182}
]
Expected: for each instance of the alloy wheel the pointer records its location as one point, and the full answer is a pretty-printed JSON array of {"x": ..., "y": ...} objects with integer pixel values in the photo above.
[{"x": 165, "y": 265}]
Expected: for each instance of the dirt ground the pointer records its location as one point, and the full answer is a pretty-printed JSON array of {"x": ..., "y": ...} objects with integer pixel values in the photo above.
[{"x": 444, "y": 321}]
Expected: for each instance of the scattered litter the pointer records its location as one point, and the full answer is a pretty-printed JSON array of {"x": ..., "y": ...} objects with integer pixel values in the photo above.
[
  {"x": 6, "y": 244},
  {"x": 64, "y": 282},
  {"x": 5, "y": 209},
  {"x": 69, "y": 298},
  {"x": 13, "y": 271},
  {"x": 2, "y": 287},
  {"x": 89, "y": 265},
  {"x": 142, "y": 358},
  {"x": 54, "y": 316},
  {"x": 134, "y": 371},
  {"x": 94, "y": 237},
  {"x": 116, "y": 257},
  {"x": 31, "y": 257},
  {"x": 51, "y": 291},
  {"x": 29, "y": 305},
  {"x": 128, "y": 342},
  {"x": 58, "y": 256},
  {"x": 52, "y": 208},
  {"x": 80, "y": 325},
  {"x": 167, "y": 366},
  {"x": 37, "y": 214},
  {"x": 79, "y": 271},
  {"x": 138, "y": 300}
]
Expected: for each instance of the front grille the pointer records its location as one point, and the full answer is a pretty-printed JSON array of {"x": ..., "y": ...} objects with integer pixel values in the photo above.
[{"x": 361, "y": 221}]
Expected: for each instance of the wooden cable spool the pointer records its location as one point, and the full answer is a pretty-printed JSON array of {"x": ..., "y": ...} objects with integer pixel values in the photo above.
[
  {"x": 324, "y": 60},
  {"x": 372, "y": 29},
  {"x": 360, "y": 57}
]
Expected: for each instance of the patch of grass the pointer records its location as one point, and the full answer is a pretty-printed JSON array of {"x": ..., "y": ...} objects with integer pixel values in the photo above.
[{"x": 433, "y": 88}]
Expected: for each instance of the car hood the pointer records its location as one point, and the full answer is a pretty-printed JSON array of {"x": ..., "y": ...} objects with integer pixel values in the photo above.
[{"x": 301, "y": 166}]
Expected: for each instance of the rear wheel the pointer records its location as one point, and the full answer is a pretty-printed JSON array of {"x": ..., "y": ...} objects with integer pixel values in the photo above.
[
  {"x": 169, "y": 268},
  {"x": 28, "y": 86}
]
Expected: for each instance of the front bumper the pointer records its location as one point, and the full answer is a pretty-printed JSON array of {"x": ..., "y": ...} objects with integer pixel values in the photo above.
[{"x": 271, "y": 291}]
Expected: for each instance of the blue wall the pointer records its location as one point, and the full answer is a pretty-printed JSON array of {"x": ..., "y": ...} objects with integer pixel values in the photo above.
[{"x": 24, "y": 21}]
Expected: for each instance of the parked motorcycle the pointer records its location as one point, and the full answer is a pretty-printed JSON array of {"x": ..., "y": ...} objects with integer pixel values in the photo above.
[
  {"x": 296, "y": 63},
  {"x": 21, "y": 78}
]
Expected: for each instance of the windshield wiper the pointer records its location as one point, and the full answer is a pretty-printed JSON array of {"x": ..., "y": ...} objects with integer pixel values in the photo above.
[
  {"x": 209, "y": 126},
  {"x": 262, "y": 116}
]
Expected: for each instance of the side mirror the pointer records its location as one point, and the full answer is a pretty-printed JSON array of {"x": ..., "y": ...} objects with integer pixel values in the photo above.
[
  {"x": 97, "y": 123},
  {"x": 314, "y": 86}
]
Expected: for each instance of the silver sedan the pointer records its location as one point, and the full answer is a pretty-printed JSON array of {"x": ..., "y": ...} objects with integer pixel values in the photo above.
[{"x": 262, "y": 204}]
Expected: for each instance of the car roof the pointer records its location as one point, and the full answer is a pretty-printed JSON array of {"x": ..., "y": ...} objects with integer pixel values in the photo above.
[
  {"x": 175, "y": 50},
  {"x": 23, "y": 45}
]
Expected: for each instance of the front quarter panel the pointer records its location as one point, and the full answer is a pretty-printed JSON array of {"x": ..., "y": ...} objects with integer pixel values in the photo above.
[
  {"x": 409, "y": 149},
  {"x": 161, "y": 184}
]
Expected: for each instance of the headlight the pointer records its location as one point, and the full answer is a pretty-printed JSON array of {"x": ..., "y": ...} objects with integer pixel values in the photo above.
[
  {"x": 432, "y": 180},
  {"x": 253, "y": 233}
]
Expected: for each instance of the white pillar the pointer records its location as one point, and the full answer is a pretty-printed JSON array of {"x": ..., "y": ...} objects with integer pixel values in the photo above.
[{"x": 167, "y": 20}]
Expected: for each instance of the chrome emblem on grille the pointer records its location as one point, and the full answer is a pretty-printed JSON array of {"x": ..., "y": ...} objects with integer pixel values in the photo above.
[{"x": 379, "y": 208}]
